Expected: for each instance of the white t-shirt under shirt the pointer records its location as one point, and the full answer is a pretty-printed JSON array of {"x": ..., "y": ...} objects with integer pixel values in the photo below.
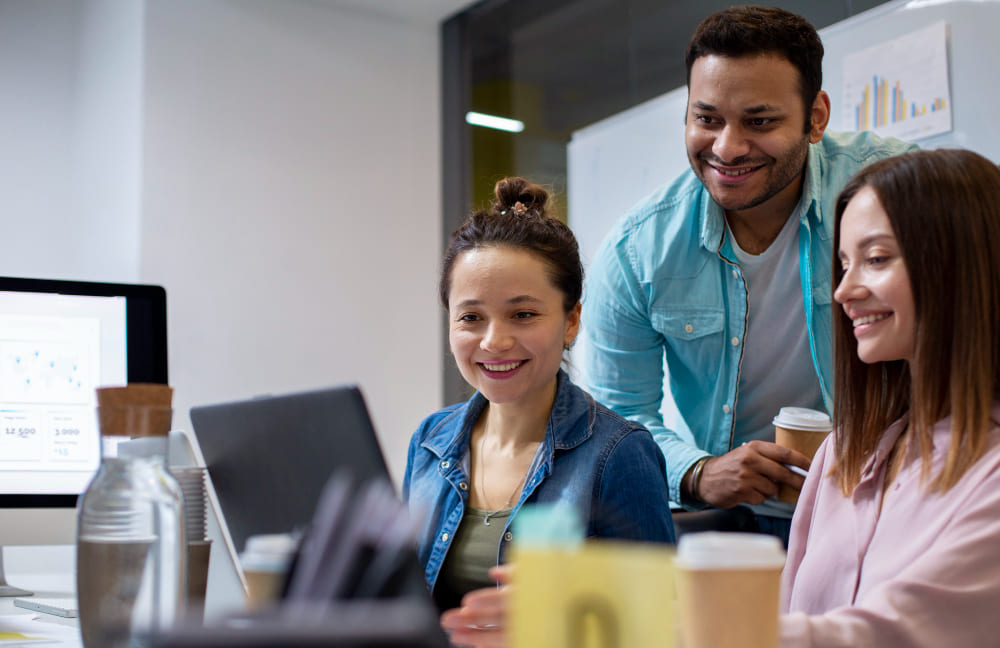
[{"x": 777, "y": 369}]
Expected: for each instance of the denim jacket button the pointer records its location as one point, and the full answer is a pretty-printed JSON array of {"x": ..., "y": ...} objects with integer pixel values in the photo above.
[
  {"x": 688, "y": 328},
  {"x": 735, "y": 341},
  {"x": 463, "y": 486},
  {"x": 444, "y": 537},
  {"x": 508, "y": 536},
  {"x": 725, "y": 408},
  {"x": 445, "y": 464}
]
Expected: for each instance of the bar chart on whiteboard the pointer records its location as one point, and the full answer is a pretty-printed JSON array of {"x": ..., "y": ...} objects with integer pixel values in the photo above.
[{"x": 899, "y": 87}]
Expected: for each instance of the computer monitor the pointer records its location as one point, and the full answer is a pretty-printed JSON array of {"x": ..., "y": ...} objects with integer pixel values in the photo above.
[{"x": 59, "y": 341}]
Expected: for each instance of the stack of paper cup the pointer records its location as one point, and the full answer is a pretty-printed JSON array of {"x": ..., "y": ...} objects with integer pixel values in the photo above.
[
  {"x": 192, "y": 482},
  {"x": 728, "y": 588}
]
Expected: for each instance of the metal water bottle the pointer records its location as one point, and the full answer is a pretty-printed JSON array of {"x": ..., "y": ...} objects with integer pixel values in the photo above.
[{"x": 131, "y": 549}]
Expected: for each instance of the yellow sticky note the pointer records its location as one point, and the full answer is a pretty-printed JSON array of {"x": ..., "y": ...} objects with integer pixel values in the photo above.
[{"x": 602, "y": 594}]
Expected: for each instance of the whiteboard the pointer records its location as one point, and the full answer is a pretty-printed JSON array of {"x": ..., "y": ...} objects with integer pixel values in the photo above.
[{"x": 614, "y": 163}]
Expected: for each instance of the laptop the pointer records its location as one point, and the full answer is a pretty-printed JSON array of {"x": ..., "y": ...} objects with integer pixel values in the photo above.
[
  {"x": 272, "y": 461},
  {"x": 268, "y": 458}
]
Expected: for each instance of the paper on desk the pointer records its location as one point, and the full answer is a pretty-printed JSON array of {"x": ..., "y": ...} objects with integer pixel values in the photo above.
[{"x": 24, "y": 630}]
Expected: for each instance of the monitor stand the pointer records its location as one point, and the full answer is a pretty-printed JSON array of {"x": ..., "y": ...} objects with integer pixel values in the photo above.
[{"x": 9, "y": 590}]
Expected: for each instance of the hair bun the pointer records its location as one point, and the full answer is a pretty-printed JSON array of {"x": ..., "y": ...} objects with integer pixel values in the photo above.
[{"x": 520, "y": 196}]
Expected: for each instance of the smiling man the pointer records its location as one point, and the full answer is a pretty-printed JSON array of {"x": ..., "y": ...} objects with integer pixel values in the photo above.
[{"x": 724, "y": 275}]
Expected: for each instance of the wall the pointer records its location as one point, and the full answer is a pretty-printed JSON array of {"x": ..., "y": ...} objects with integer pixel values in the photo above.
[
  {"x": 275, "y": 165},
  {"x": 291, "y": 203},
  {"x": 69, "y": 126}
]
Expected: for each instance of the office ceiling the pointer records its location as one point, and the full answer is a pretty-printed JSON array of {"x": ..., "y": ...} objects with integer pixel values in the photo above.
[{"x": 429, "y": 12}]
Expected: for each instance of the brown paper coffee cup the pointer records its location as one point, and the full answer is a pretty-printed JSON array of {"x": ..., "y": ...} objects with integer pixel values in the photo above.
[
  {"x": 728, "y": 588},
  {"x": 749, "y": 598},
  {"x": 802, "y": 430},
  {"x": 265, "y": 561},
  {"x": 263, "y": 587}
]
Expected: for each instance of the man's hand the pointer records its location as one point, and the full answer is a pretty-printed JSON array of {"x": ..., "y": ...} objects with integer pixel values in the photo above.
[
  {"x": 749, "y": 474},
  {"x": 482, "y": 619}
]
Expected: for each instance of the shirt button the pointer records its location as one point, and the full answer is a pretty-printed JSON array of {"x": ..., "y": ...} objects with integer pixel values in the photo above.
[
  {"x": 725, "y": 408},
  {"x": 508, "y": 536},
  {"x": 688, "y": 328},
  {"x": 444, "y": 537},
  {"x": 735, "y": 341},
  {"x": 445, "y": 464},
  {"x": 463, "y": 486}
]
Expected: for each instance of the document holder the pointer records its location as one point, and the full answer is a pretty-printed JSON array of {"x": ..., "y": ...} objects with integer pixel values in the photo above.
[
  {"x": 355, "y": 583},
  {"x": 409, "y": 622}
]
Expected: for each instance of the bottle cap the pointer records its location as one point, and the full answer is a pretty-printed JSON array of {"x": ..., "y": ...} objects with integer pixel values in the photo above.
[
  {"x": 135, "y": 410},
  {"x": 269, "y": 552}
]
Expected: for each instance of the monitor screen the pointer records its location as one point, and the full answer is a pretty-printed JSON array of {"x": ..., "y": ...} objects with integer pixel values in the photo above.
[{"x": 59, "y": 341}]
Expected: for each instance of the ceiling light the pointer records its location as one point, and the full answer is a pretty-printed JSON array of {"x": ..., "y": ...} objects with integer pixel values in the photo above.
[{"x": 490, "y": 121}]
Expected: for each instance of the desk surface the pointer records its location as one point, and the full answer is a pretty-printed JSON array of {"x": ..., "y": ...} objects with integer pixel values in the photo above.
[{"x": 62, "y": 631}]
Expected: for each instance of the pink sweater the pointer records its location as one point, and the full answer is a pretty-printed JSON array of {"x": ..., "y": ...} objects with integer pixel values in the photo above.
[{"x": 925, "y": 571}]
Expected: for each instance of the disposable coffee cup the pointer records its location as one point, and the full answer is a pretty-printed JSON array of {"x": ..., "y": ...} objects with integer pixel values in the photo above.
[
  {"x": 728, "y": 589},
  {"x": 802, "y": 430},
  {"x": 265, "y": 563}
]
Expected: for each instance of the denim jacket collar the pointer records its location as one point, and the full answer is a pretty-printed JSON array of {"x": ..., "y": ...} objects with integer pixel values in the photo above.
[{"x": 561, "y": 431}]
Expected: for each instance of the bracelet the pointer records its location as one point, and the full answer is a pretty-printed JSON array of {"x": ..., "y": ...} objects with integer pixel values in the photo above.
[{"x": 699, "y": 466}]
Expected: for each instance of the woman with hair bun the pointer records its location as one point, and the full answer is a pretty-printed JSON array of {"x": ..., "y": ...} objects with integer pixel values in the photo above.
[{"x": 511, "y": 281}]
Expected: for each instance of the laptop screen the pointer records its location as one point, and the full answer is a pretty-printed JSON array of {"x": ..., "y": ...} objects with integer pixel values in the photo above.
[{"x": 269, "y": 457}]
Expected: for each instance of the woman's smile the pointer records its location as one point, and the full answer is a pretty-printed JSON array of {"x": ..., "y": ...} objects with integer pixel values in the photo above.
[{"x": 508, "y": 325}]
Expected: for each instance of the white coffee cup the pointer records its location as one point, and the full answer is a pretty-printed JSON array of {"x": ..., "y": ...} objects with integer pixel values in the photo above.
[{"x": 728, "y": 589}]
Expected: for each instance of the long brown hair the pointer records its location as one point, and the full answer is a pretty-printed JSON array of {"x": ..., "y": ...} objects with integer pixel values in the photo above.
[{"x": 944, "y": 209}]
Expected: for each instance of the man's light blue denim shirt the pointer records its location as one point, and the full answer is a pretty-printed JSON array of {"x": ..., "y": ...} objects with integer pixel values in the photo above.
[
  {"x": 665, "y": 285},
  {"x": 606, "y": 468}
]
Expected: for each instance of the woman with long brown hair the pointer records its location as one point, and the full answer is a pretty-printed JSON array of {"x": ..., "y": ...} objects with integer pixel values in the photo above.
[{"x": 895, "y": 538}]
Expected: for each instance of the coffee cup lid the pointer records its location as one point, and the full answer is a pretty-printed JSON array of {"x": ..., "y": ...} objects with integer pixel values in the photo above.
[
  {"x": 271, "y": 551},
  {"x": 801, "y": 418},
  {"x": 721, "y": 550}
]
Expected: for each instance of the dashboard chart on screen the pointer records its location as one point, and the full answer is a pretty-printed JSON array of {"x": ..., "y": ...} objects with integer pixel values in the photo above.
[
  {"x": 59, "y": 342},
  {"x": 52, "y": 358}
]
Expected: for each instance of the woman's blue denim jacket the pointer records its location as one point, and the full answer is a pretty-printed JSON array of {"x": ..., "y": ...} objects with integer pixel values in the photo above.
[{"x": 609, "y": 469}]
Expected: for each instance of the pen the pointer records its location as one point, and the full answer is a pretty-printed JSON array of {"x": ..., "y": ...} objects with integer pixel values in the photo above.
[{"x": 796, "y": 470}]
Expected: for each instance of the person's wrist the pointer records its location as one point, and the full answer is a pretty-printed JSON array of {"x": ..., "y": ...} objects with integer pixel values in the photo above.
[{"x": 695, "y": 480}]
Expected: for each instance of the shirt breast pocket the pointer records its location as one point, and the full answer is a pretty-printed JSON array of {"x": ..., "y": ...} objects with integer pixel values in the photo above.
[
  {"x": 686, "y": 324},
  {"x": 694, "y": 346}
]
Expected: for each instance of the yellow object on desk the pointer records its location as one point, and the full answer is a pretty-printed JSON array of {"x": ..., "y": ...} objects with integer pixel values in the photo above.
[{"x": 601, "y": 594}]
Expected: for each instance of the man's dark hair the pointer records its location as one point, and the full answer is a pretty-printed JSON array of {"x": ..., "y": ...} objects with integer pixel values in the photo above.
[{"x": 752, "y": 30}]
